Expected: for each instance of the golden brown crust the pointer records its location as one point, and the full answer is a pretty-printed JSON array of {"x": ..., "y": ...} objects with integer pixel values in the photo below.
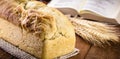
[
  {"x": 7, "y": 12},
  {"x": 37, "y": 22},
  {"x": 11, "y": 10},
  {"x": 28, "y": 19},
  {"x": 63, "y": 40}
]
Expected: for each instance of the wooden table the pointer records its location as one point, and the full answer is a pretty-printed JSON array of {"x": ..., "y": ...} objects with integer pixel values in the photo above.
[{"x": 87, "y": 51}]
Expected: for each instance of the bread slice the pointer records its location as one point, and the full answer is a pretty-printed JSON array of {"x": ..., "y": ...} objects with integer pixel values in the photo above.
[{"x": 43, "y": 32}]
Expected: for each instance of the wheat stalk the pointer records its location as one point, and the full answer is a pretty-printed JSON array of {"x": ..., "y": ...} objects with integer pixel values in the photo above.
[{"x": 96, "y": 33}]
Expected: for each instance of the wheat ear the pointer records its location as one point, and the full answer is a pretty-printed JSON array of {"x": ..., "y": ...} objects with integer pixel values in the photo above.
[{"x": 96, "y": 33}]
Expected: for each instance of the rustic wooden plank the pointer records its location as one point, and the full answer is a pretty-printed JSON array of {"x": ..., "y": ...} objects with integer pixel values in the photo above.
[
  {"x": 4, "y": 55},
  {"x": 82, "y": 46},
  {"x": 106, "y": 53}
]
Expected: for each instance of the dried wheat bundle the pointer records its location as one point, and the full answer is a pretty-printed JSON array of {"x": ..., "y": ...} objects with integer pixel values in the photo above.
[{"x": 96, "y": 33}]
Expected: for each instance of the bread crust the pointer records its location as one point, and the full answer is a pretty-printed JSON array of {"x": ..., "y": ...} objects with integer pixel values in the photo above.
[{"x": 42, "y": 28}]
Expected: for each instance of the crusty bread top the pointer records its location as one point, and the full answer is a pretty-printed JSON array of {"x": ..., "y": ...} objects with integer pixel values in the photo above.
[
  {"x": 61, "y": 23},
  {"x": 11, "y": 9},
  {"x": 6, "y": 10},
  {"x": 30, "y": 20},
  {"x": 35, "y": 17}
]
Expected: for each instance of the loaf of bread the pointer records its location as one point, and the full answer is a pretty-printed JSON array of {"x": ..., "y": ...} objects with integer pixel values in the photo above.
[{"x": 33, "y": 27}]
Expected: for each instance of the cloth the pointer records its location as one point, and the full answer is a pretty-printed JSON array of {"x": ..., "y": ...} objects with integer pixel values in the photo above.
[{"x": 13, "y": 50}]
